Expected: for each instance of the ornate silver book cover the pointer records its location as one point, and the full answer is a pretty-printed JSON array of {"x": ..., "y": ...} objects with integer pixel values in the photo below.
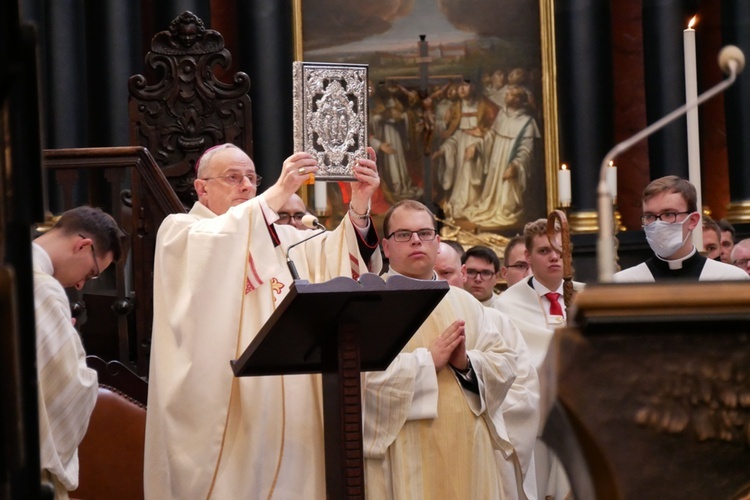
[{"x": 330, "y": 116}]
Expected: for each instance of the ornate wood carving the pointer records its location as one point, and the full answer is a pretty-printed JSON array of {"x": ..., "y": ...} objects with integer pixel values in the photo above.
[
  {"x": 654, "y": 385},
  {"x": 188, "y": 109}
]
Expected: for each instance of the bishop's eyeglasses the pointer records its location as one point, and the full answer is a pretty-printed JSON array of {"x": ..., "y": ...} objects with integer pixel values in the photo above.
[
  {"x": 402, "y": 235},
  {"x": 235, "y": 178}
]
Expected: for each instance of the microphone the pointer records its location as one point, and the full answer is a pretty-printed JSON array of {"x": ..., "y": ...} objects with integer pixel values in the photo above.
[
  {"x": 731, "y": 61},
  {"x": 311, "y": 222}
]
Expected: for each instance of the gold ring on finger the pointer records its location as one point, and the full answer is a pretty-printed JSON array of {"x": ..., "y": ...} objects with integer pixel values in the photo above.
[{"x": 301, "y": 170}]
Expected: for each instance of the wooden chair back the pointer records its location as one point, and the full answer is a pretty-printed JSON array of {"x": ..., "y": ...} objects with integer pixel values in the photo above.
[
  {"x": 111, "y": 454},
  {"x": 187, "y": 110}
]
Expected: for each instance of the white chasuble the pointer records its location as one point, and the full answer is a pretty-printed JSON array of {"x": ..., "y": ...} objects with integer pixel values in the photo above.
[{"x": 217, "y": 279}]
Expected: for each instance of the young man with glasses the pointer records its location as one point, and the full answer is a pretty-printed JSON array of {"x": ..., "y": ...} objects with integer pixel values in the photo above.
[
  {"x": 670, "y": 215},
  {"x": 521, "y": 405},
  {"x": 220, "y": 271},
  {"x": 482, "y": 268},
  {"x": 82, "y": 243},
  {"x": 433, "y": 419}
]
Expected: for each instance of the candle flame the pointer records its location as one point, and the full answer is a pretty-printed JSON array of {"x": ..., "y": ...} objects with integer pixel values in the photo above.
[
  {"x": 611, "y": 163},
  {"x": 564, "y": 167},
  {"x": 693, "y": 21}
]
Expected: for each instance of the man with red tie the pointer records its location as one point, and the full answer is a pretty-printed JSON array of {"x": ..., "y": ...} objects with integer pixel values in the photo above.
[{"x": 536, "y": 306}]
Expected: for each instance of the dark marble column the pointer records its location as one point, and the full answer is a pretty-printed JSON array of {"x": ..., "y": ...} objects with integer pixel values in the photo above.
[
  {"x": 114, "y": 48},
  {"x": 585, "y": 99},
  {"x": 663, "y": 50},
  {"x": 265, "y": 40},
  {"x": 64, "y": 71},
  {"x": 736, "y": 31}
]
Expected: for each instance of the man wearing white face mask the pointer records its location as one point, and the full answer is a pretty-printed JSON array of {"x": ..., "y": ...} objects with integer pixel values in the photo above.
[{"x": 669, "y": 217}]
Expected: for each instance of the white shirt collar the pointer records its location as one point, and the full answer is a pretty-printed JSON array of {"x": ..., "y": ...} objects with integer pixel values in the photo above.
[
  {"x": 543, "y": 290},
  {"x": 41, "y": 259}
]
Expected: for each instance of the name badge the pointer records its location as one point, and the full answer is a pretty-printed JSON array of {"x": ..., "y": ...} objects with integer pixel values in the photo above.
[{"x": 557, "y": 320}]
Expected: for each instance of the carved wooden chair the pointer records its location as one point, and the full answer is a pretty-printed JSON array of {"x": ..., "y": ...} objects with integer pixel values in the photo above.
[{"x": 111, "y": 453}]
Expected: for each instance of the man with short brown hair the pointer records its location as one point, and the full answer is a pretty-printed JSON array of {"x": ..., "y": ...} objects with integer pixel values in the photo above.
[
  {"x": 433, "y": 419},
  {"x": 670, "y": 215},
  {"x": 727, "y": 240},
  {"x": 482, "y": 267},
  {"x": 536, "y": 306},
  {"x": 79, "y": 247},
  {"x": 514, "y": 268},
  {"x": 711, "y": 239}
]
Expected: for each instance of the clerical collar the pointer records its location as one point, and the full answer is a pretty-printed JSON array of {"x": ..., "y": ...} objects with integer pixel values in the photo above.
[
  {"x": 677, "y": 263},
  {"x": 690, "y": 268}
]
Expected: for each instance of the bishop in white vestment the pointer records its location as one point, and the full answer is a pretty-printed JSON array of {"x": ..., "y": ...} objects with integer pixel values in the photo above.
[{"x": 218, "y": 277}]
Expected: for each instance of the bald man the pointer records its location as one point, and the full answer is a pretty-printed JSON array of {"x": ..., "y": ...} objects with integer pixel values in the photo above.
[
  {"x": 292, "y": 211},
  {"x": 448, "y": 266},
  {"x": 219, "y": 273}
]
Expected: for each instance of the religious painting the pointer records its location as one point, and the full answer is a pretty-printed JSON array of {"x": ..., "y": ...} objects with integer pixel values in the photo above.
[{"x": 462, "y": 111}]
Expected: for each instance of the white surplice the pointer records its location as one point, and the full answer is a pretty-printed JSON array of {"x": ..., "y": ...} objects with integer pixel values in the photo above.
[
  {"x": 217, "y": 279},
  {"x": 521, "y": 413},
  {"x": 425, "y": 436},
  {"x": 530, "y": 313},
  {"x": 67, "y": 387}
]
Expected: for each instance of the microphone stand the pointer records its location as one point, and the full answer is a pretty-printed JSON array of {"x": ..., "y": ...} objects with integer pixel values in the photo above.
[
  {"x": 734, "y": 63},
  {"x": 289, "y": 262}
]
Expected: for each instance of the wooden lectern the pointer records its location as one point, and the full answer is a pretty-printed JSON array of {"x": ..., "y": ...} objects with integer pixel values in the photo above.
[
  {"x": 651, "y": 392},
  {"x": 339, "y": 329}
]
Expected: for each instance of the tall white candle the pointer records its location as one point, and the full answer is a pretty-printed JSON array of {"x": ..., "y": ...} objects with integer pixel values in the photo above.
[
  {"x": 321, "y": 198},
  {"x": 612, "y": 181},
  {"x": 564, "y": 194},
  {"x": 693, "y": 132}
]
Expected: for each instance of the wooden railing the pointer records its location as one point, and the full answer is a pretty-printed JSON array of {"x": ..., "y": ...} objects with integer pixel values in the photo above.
[{"x": 127, "y": 183}]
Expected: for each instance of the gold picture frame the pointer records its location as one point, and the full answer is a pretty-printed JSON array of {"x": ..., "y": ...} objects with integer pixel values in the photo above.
[{"x": 327, "y": 30}]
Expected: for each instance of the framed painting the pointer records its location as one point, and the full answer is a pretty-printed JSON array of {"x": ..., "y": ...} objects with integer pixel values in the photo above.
[{"x": 462, "y": 105}]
